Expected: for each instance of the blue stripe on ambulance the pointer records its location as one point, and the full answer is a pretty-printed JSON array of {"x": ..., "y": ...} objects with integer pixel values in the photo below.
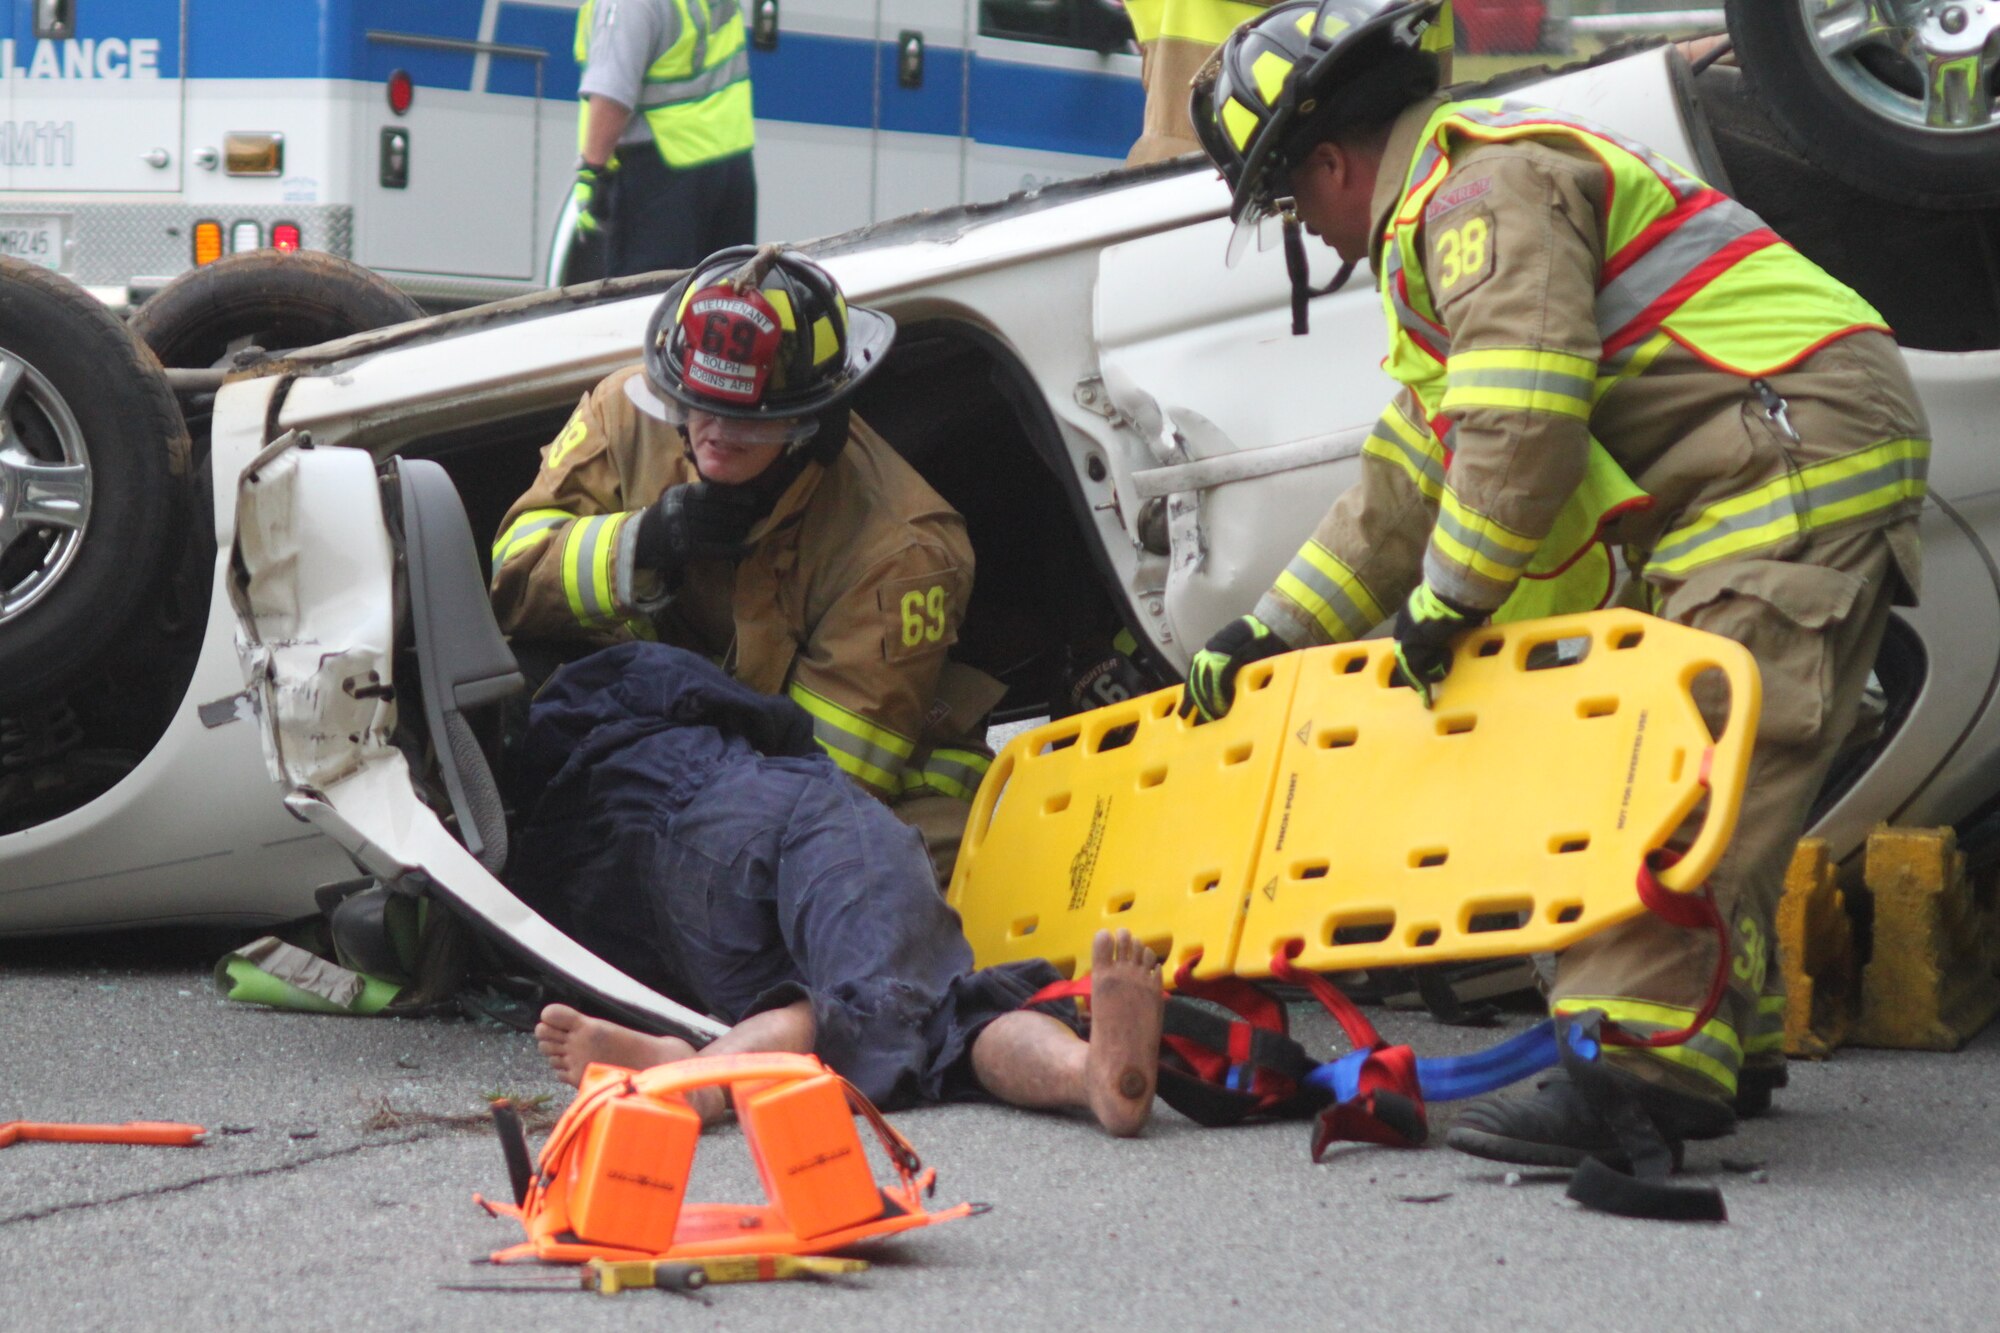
[{"x": 810, "y": 79}]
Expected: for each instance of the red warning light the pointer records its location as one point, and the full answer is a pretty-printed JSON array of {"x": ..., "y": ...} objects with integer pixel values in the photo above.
[
  {"x": 402, "y": 90},
  {"x": 284, "y": 236}
]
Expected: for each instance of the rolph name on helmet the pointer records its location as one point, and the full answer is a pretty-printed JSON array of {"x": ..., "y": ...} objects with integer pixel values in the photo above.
[
  {"x": 760, "y": 334},
  {"x": 1302, "y": 72}
]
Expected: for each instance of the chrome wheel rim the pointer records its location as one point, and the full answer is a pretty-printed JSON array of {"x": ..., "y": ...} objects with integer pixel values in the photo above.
[
  {"x": 1921, "y": 64},
  {"x": 44, "y": 487}
]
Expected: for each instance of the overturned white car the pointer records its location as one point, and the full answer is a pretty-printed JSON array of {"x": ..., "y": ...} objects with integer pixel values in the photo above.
[{"x": 1135, "y": 438}]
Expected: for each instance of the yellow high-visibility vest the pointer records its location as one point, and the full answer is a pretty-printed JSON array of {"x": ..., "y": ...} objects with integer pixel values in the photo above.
[
  {"x": 696, "y": 96},
  {"x": 1681, "y": 258}
]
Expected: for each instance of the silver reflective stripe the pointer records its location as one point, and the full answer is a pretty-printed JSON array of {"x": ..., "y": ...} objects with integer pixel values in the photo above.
[
  {"x": 1406, "y": 314},
  {"x": 1479, "y": 544},
  {"x": 1426, "y": 463},
  {"x": 1352, "y": 617},
  {"x": 1532, "y": 381},
  {"x": 583, "y": 550},
  {"x": 938, "y": 769},
  {"x": 833, "y": 736},
  {"x": 1681, "y": 547},
  {"x": 1701, "y": 1043},
  {"x": 1679, "y": 253},
  {"x": 695, "y": 87},
  {"x": 523, "y": 535}
]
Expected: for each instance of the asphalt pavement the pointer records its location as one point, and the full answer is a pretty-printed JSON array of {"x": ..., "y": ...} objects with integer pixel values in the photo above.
[{"x": 336, "y": 1192}]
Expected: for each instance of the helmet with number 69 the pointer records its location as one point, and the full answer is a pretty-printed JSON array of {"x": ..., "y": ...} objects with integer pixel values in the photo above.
[{"x": 758, "y": 334}]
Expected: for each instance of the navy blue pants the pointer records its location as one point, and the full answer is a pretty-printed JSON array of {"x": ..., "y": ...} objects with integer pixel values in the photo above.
[{"x": 746, "y": 881}]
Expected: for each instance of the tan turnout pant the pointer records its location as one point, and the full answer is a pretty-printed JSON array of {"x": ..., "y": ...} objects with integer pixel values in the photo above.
[{"x": 1814, "y": 623}]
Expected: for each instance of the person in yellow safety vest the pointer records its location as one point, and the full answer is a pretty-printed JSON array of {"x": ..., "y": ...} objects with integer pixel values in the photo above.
[
  {"x": 720, "y": 498},
  {"x": 1175, "y": 38},
  {"x": 1588, "y": 338},
  {"x": 664, "y": 133}
]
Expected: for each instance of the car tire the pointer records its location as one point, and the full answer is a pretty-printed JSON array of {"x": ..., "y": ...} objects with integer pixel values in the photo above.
[
  {"x": 1860, "y": 113},
  {"x": 94, "y": 468},
  {"x": 273, "y": 299}
]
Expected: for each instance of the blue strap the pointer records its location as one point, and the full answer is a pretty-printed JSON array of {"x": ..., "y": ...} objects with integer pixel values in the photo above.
[{"x": 1453, "y": 1078}]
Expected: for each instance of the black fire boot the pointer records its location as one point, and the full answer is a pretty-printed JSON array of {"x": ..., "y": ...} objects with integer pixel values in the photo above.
[
  {"x": 1557, "y": 1126},
  {"x": 1755, "y": 1083}
]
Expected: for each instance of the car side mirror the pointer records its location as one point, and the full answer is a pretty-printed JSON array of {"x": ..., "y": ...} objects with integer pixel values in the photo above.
[{"x": 1103, "y": 26}]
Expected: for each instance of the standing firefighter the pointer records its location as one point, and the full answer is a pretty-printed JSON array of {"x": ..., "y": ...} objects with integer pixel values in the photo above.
[
  {"x": 721, "y": 498},
  {"x": 1596, "y": 348},
  {"x": 664, "y": 170},
  {"x": 1175, "y": 37}
]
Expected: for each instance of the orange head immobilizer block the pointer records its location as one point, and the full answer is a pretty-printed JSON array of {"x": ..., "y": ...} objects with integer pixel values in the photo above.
[{"x": 612, "y": 1179}]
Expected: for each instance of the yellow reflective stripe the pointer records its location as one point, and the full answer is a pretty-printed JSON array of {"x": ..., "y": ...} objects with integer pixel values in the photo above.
[
  {"x": 873, "y": 754},
  {"x": 1522, "y": 379},
  {"x": 530, "y": 529},
  {"x": 1631, "y": 363},
  {"x": 1239, "y": 122},
  {"x": 1714, "y": 1051},
  {"x": 1417, "y": 452},
  {"x": 953, "y": 773},
  {"x": 1768, "y": 1028},
  {"x": 1322, "y": 584},
  {"x": 1470, "y": 540},
  {"x": 1854, "y": 485},
  {"x": 588, "y": 559}
]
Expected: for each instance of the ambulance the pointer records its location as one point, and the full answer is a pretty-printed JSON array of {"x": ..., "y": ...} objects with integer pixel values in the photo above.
[{"x": 434, "y": 141}]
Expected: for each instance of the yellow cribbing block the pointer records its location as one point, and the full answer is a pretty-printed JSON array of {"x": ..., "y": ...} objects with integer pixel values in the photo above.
[
  {"x": 1330, "y": 810},
  {"x": 1816, "y": 950},
  {"x": 1927, "y": 985}
]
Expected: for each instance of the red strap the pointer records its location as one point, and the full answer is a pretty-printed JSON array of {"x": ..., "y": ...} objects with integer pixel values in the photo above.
[
  {"x": 1387, "y": 1108},
  {"x": 1388, "y": 1105},
  {"x": 1690, "y": 911},
  {"x": 1073, "y": 989},
  {"x": 1360, "y": 1032}
]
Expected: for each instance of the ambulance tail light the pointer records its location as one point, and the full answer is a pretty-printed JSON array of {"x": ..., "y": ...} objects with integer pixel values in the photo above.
[
  {"x": 207, "y": 242},
  {"x": 285, "y": 236},
  {"x": 402, "y": 91},
  {"x": 244, "y": 237}
]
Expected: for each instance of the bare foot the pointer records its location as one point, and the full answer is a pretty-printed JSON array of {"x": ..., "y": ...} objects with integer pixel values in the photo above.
[
  {"x": 570, "y": 1040},
  {"x": 1126, "y": 1010}
]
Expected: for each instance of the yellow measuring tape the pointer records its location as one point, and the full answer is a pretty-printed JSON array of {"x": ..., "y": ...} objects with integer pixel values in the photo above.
[{"x": 1332, "y": 812}]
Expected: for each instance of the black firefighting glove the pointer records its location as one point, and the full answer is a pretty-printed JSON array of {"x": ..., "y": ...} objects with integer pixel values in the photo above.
[
  {"x": 692, "y": 521},
  {"x": 1425, "y": 627},
  {"x": 592, "y": 193},
  {"x": 1211, "y": 682}
]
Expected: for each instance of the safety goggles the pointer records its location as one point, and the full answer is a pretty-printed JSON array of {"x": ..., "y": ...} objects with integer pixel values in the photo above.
[{"x": 744, "y": 430}]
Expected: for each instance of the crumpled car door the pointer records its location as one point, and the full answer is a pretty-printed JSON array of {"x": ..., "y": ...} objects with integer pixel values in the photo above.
[{"x": 315, "y": 583}]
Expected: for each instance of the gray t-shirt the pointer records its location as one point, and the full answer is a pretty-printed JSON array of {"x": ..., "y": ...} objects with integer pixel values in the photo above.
[{"x": 626, "y": 37}]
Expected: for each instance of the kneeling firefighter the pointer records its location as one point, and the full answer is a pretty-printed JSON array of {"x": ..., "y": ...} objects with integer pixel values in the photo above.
[
  {"x": 721, "y": 498},
  {"x": 1597, "y": 351}
]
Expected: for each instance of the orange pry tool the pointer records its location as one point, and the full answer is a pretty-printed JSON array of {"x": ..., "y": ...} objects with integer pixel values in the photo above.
[{"x": 157, "y": 1132}]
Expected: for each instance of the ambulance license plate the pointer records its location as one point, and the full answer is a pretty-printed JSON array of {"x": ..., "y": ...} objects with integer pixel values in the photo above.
[{"x": 35, "y": 237}]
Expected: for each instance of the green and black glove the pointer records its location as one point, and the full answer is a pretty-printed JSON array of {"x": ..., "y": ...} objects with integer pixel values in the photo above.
[
  {"x": 1211, "y": 682},
  {"x": 1425, "y": 627},
  {"x": 592, "y": 193}
]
